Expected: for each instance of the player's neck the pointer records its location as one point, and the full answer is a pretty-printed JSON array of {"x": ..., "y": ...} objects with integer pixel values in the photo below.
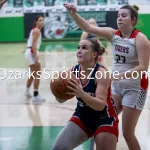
[
  {"x": 126, "y": 33},
  {"x": 38, "y": 27}
]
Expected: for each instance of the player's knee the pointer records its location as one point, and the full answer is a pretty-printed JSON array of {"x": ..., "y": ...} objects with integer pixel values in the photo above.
[{"x": 127, "y": 135}]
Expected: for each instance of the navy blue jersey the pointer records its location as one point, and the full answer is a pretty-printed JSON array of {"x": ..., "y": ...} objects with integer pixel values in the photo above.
[{"x": 88, "y": 115}]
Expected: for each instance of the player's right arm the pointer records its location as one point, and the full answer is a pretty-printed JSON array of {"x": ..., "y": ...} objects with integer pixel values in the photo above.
[
  {"x": 36, "y": 34},
  {"x": 62, "y": 100},
  {"x": 102, "y": 32}
]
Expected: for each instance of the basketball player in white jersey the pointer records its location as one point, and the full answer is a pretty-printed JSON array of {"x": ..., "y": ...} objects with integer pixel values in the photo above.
[
  {"x": 2, "y": 2},
  {"x": 131, "y": 53},
  {"x": 32, "y": 58}
]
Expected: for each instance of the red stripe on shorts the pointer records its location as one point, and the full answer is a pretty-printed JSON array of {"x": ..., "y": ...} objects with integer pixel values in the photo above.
[
  {"x": 78, "y": 122},
  {"x": 144, "y": 82}
]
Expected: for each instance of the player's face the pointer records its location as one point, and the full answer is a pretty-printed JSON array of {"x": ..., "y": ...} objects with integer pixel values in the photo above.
[
  {"x": 124, "y": 19},
  {"x": 40, "y": 22},
  {"x": 92, "y": 22},
  {"x": 85, "y": 52}
]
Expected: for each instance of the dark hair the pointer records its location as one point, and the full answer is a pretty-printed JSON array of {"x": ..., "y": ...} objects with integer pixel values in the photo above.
[
  {"x": 36, "y": 19},
  {"x": 133, "y": 11},
  {"x": 96, "y": 47}
]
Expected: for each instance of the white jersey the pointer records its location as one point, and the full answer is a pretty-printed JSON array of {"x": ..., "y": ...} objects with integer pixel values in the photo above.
[
  {"x": 132, "y": 91},
  {"x": 29, "y": 42},
  {"x": 124, "y": 52}
]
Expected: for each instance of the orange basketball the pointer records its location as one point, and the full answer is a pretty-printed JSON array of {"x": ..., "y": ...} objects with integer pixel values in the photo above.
[{"x": 58, "y": 85}]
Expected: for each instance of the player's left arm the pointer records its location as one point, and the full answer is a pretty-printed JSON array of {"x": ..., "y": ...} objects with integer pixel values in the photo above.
[
  {"x": 99, "y": 101},
  {"x": 143, "y": 52}
]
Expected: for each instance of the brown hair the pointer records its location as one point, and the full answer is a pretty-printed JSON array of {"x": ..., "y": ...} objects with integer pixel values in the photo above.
[
  {"x": 133, "y": 11},
  {"x": 36, "y": 19},
  {"x": 96, "y": 47}
]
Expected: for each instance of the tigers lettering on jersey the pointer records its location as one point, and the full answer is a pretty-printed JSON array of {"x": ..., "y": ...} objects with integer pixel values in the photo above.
[{"x": 122, "y": 49}]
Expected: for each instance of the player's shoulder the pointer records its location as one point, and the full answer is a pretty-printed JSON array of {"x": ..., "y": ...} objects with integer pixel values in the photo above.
[
  {"x": 141, "y": 35},
  {"x": 102, "y": 68},
  {"x": 85, "y": 34},
  {"x": 103, "y": 77},
  {"x": 74, "y": 67},
  {"x": 103, "y": 72},
  {"x": 36, "y": 30}
]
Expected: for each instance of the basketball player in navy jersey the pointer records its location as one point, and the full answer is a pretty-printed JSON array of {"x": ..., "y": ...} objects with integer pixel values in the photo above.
[
  {"x": 131, "y": 53},
  {"x": 95, "y": 113},
  {"x": 32, "y": 58},
  {"x": 2, "y": 2}
]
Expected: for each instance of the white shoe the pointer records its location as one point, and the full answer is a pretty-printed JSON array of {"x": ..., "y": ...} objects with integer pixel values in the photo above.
[
  {"x": 38, "y": 99},
  {"x": 27, "y": 95}
]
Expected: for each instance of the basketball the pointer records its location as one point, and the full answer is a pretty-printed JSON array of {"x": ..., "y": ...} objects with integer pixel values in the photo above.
[{"x": 58, "y": 85}]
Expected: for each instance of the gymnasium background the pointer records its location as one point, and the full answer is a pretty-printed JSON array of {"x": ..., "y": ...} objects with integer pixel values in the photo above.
[{"x": 16, "y": 17}]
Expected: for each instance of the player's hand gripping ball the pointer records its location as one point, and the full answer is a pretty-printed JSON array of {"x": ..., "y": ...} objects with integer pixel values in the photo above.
[{"x": 59, "y": 83}]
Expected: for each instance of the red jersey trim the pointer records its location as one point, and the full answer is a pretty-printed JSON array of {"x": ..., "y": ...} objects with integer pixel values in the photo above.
[{"x": 133, "y": 34}]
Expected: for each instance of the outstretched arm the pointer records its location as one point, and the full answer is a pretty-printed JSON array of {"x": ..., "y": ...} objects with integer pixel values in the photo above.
[{"x": 103, "y": 32}]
